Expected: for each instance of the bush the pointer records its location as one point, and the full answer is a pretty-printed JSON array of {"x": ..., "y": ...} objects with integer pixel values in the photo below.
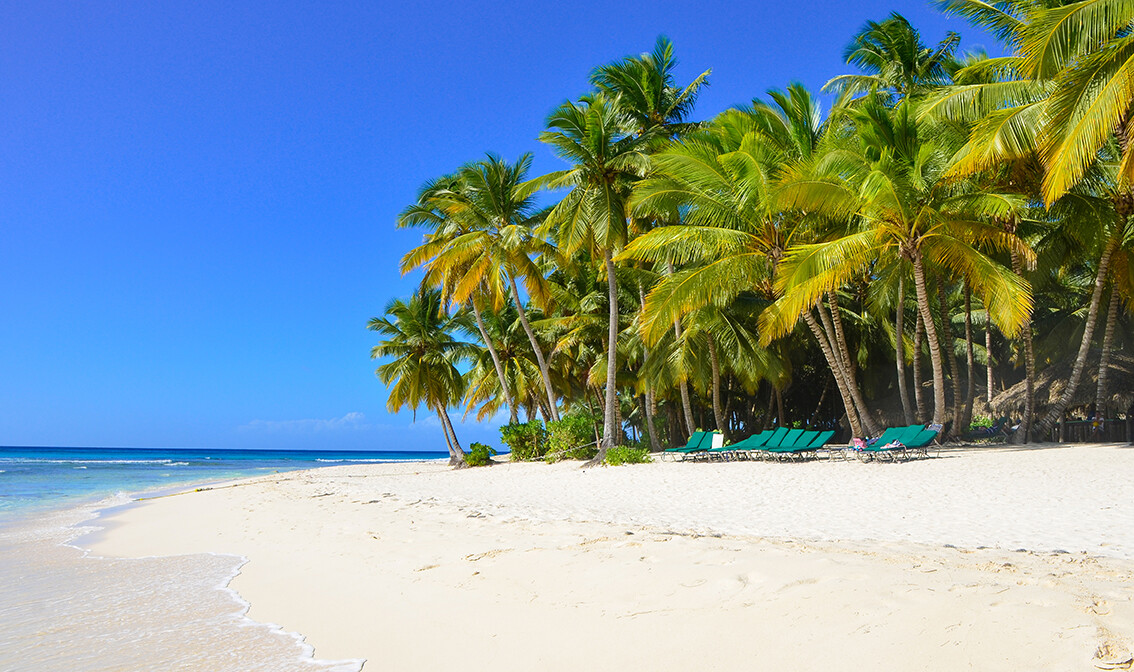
[
  {"x": 980, "y": 422},
  {"x": 479, "y": 455},
  {"x": 572, "y": 437},
  {"x": 619, "y": 455},
  {"x": 526, "y": 440}
]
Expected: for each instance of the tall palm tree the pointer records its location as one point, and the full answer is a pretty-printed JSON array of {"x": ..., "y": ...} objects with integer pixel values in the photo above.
[
  {"x": 723, "y": 181},
  {"x": 433, "y": 210},
  {"x": 647, "y": 91},
  {"x": 499, "y": 242},
  {"x": 489, "y": 247},
  {"x": 599, "y": 138},
  {"x": 424, "y": 356},
  {"x": 908, "y": 211},
  {"x": 894, "y": 61},
  {"x": 1070, "y": 103}
]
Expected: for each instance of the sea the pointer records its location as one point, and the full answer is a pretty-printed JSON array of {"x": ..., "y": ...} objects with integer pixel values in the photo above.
[{"x": 63, "y": 608}]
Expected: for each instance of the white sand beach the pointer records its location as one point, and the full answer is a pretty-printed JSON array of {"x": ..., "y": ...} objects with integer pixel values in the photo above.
[{"x": 990, "y": 559}]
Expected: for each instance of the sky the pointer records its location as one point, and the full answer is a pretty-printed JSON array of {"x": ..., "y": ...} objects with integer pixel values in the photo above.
[{"x": 197, "y": 200}]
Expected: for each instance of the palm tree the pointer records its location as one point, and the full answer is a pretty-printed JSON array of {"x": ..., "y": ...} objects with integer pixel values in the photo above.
[
  {"x": 499, "y": 243},
  {"x": 723, "y": 180},
  {"x": 1071, "y": 105},
  {"x": 894, "y": 61},
  {"x": 424, "y": 357},
  {"x": 646, "y": 90},
  {"x": 908, "y": 211},
  {"x": 433, "y": 210},
  {"x": 598, "y": 137},
  {"x": 489, "y": 246}
]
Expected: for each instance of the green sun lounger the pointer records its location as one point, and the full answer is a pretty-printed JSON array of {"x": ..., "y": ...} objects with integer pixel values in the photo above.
[
  {"x": 694, "y": 443},
  {"x": 735, "y": 450},
  {"x": 799, "y": 445},
  {"x": 777, "y": 438},
  {"x": 922, "y": 439},
  {"x": 822, "y": 439}
]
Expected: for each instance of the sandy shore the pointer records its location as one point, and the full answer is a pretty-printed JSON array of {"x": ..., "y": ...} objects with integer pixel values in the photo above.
[{"x": 1003, "y": 559}]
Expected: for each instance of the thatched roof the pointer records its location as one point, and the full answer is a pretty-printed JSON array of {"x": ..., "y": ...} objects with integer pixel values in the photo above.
[{"x": 1051, "y": 381}]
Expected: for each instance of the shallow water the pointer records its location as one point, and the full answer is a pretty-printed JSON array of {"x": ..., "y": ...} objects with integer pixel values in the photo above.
[{"x": 63, "y": 609}]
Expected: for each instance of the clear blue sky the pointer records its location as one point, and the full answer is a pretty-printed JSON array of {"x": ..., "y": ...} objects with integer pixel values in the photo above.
[{"x": 197, "y": 200}]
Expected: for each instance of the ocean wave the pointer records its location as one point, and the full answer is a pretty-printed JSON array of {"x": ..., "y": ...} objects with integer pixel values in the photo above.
[
  {"x": 33, "y": 460},
  {"x": 366, "y": 461},
  {"x": 179, "y": 464}
]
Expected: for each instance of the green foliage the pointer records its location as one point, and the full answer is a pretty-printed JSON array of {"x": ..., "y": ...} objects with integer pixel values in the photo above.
[
  {"x": 619, "y": 455},
  {"x": 980, "y": 422},
  {"x": 526, "y": 440},
  {"x": 572, "y": 437},
  {"x": 479, "y": 455}
]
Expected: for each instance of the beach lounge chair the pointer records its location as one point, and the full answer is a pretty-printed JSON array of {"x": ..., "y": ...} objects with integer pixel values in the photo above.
[
  {"x": 822, "y": 439},
  {"x": 740, "y": 449},
  {"x": 773, "y": 441},
  {"x": 800, "y": 448},
  {"x": 769, "y": 449},
  {"x": 694, "y": 444},
  {"x": 919, "y": 443},
  {"x": 713, "y": 441}
]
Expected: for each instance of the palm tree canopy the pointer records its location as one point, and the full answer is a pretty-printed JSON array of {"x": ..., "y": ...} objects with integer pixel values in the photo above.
[{"x": 418, "y": 339}]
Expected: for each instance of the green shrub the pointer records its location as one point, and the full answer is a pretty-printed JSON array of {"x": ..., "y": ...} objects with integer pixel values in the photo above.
[
  {"x": 572, "y": 437},
  {"x": 618, "y": 455},
  {"x": 980, "y": 422},
  {"x": 479, "y": 455},
  {"x": 526, "y": 440}
]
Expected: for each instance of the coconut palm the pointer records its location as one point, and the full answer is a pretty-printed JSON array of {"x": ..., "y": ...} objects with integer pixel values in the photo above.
[
  {"x": 499, "y": 243},
  {"x": 894, "y": 61},
  {"x": 907, "y": 211},
  {"x": 488, "y": 247},
  {"x": 722, "y": 180},
  {"x": 608, "y": 156},
  {"x": 433, "y": 210},
  {"x": 646, "y": 90},
  {"x": 418, "y": 340}
]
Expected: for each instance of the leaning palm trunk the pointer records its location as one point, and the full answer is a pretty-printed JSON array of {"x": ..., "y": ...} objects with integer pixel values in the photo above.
[
  {"x": 1024, "y": 433},
  {"x": 1104, "y": 359},
  {"x": 834, "y": 325},
  {"x": 931, "y": 337},
  {"x": 544, "y": 371},
  {"x": 513, "y": 415},
  {"x": 456, "y": 453},
  {"x": 970, "y": 384},
  {"x": 609, "y": 418},
  {"x": 682, "y": 384},
  {"x": 836, "y": 371},
  {"x": 718, "y": 415},
  {"x": 650, "y": 409},
  {"x": 900, "y": 351},
  {"x": 919, "y": 393},
  {"x": 988, "y": 358},
  {"x": 949, "y": 352},
  {"x": 1057, "y": 409}
]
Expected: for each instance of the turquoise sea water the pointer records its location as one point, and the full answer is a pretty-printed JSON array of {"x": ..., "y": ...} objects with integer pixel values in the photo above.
[
  {"x": 40, "y": 479},
  {"x": 63, "y": 609}
]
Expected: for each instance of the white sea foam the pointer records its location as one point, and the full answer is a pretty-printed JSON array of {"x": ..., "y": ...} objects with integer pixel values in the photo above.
[
  {"x": 68, "y": 601},
  {"x": 35, "y": 460}
]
